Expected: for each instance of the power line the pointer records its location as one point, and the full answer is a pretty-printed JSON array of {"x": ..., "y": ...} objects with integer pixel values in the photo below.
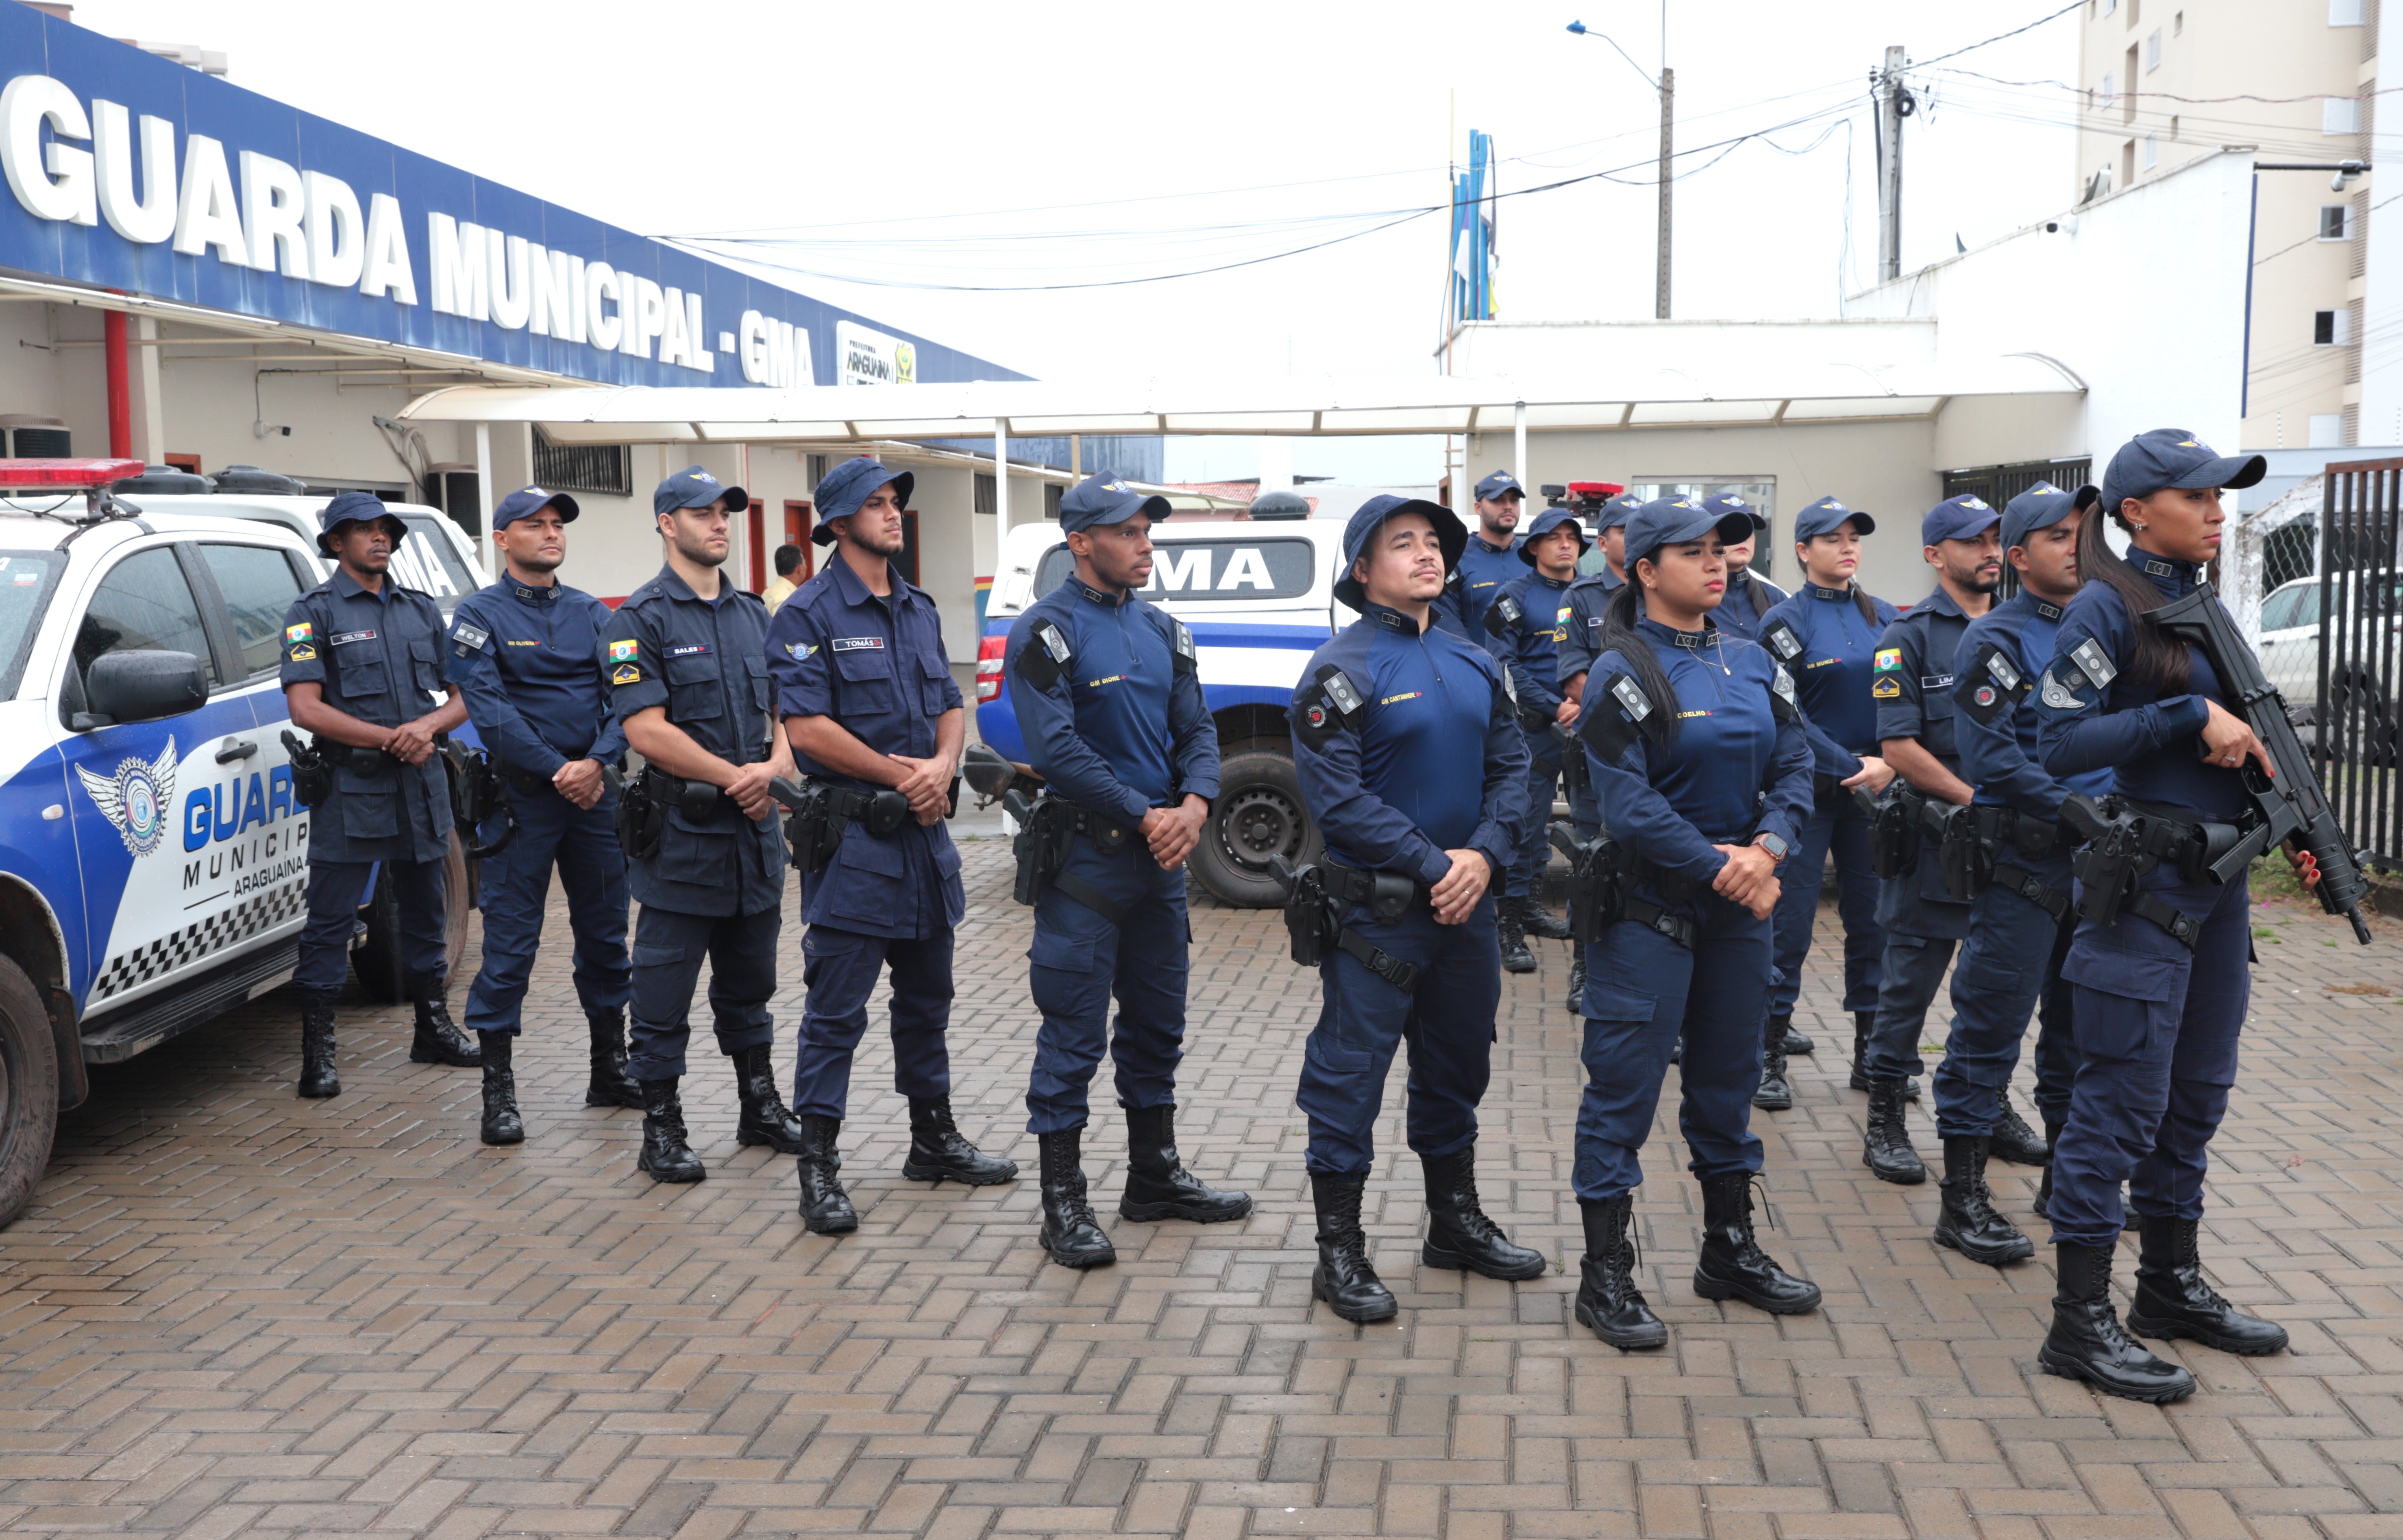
[{"x": 1999, "y": 36}]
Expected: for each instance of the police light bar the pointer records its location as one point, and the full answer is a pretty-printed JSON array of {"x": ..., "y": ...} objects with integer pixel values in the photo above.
[
  {"x": 1596, "y": 489},
  {"x": 85, "y": 473}
]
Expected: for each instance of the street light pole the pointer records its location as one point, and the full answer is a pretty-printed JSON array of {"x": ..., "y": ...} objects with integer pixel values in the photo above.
[{"x": 1667, "y": 86}]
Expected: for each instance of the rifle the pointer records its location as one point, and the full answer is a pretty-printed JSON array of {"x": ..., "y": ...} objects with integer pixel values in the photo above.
[{"x": 2289, "y": 803}]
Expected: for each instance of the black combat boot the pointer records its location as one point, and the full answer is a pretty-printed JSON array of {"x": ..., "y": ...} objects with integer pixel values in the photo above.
[
  {"x": 2012, "y": 1140},
  {"x": 610, "y": 1085},
  {"x": 1861, "y": 1021},
  {"x": 1459, "y": 1235},
  {"x": 2173, "y": 1300},
  {"x": 2088, "y": 1343},
  {"x": 939, "y": 1153},
  {"x": 825, "y": 1208},
  {"x": 1798, "y": 1043},
  {"x": 1608, "y": 1300},
  {"x": 1071, "y": 1236},
  {"x": 317, "y": 1076},
  {"x": 502, "y": 1124},
  {"x": 666, "y": 1157},
  {"x": 1732, "y": 1265},
  {"x": 1516, "y": 958},
  {"x": 1158, "y": 1185},
  {"x": 1541, "y": 922},
  {"x": 1576, "y": 980},
  {"x": 2044, "y": 1188},
  {"x": 764, "y": 1119},
  {"x": 1775, "y": 1093},
  {"x": 1343, "y": 1277},
  {"x": 1885, "y": 1147},
  {"x": 1968, "y": 1223},
  {"x": 437, "y": 1040}
]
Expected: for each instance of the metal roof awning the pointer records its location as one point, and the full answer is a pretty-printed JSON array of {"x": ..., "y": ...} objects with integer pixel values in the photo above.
[{"x": 1427, "y": 404}]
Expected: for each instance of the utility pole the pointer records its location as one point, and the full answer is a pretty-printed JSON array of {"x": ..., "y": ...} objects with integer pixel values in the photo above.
[
  {"x": 1894, "y": 104},
  {"x": 1668, "y": 117}
]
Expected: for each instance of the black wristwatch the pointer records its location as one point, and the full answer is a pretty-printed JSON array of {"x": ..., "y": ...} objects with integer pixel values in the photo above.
[{"x": 1775, "y": 844}]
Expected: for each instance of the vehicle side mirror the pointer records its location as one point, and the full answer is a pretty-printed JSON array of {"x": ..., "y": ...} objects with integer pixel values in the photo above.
[{"x": 140, "y": 686}]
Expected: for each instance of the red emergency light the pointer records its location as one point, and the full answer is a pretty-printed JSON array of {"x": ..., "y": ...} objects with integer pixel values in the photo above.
[
  {"x": 1595, "y": 489},
  {"x": 84, "y": 474}
]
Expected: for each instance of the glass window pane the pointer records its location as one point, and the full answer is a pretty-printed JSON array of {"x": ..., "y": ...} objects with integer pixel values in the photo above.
[
  {"x": 429, "y": 563},
  {"x": 144, "y": 605},
  {"x": 2277, "y": 611},
  {"x": 259, "y": 587}
]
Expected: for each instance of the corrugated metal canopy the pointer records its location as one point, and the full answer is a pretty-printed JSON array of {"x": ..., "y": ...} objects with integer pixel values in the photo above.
[{"x": 1421, "y": 404}]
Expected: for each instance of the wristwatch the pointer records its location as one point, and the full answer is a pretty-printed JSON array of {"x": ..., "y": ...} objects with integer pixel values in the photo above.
[{"x": 1775, "y": 844}]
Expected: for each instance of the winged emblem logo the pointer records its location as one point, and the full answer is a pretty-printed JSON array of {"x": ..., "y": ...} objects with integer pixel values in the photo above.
[{"x": 136, "y": 798}]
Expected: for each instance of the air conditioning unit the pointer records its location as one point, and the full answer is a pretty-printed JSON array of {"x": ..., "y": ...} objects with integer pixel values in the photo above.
[{"x": 34, "y": 439}]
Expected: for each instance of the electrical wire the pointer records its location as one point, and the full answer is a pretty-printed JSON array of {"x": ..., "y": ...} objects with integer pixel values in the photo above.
[{"x": 1973, "y": 48}]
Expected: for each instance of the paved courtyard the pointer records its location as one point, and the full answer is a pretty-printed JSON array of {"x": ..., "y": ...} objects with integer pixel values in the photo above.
[{"x": 233, "y": 1312}]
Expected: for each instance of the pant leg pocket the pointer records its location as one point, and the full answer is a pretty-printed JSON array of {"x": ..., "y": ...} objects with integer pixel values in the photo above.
[{"x": 2145, "y": 996}]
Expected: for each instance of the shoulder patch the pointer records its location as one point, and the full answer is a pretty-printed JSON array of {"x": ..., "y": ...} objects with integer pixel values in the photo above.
[
  {"x": 467, "y": 641},
  {"x": 1044, "y": 659},
  {"x": 2094, "y": 663},
  {"x": 1887, "y": 658},
  {"x": 1783, "y": 700},
  {"x": 1994, "y": 685},
  {"x": 1779, "y": 638},
  {"x": 1503, "y": 613},
  {"x": 1184, "y": 657},
  {"x": 624, "y": 650},
  {"x": 1328, "y": 706},
  {"x": 626, "y": 673},
  {"x": 1885, "y": 689},
  {"x": 1622, "y": 716}
]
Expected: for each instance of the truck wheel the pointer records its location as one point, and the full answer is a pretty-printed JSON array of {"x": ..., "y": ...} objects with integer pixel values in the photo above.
[
  {"x": 29, "y": 1091},
  {"x": 1259, "y": 815},
  {"x": 379, "y": 957}
]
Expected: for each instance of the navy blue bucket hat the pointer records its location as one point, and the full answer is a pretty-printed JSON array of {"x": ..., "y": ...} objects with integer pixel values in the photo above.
[
  {"x": 358, "y": 507},
  {"x": 1449, "y": 533},
  {"x": 1543, "y": 524},
  {"x": 842, "y": 490}
]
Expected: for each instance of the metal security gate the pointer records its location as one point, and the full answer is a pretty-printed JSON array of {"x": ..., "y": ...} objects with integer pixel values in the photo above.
[{"x": 2361, "y": 655}]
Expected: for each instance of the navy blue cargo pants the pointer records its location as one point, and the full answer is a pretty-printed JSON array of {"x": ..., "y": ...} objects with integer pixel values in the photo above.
[
  {"x": 1080, "y": 960},
  {"x": 669, "y": 947},
  {"x": 514, "y": 886}
]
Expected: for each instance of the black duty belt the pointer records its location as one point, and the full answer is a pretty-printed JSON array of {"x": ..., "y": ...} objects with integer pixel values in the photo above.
[
  {"x": 2053, "y": 901},
  {"x": 1676, "y": 927},
  {"x": 2000, "y": 825},
  {"x": 1387, "y": 895},
  {"x": 1107, "y": 833}
]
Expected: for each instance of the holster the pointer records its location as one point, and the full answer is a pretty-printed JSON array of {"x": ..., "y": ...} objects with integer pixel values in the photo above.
[
  {"x": 312, "y": 774},
  {"x": 1964, "y": 852},
  {"x": 1576, "y": 773},
  {"x": 1312, "y": 925},
  {"x": 815, "y": 828},
  {"x": 642, "y": 815},
  {"x": 1895, "y": 818},
  {"x": 2125, "y": 840},
  {"x": 1597, "y": 883},
  {"x": 478, "y": 792}
]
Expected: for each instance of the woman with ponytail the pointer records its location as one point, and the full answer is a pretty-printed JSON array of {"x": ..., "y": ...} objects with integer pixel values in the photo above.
[
  {"x": 1827, "y": 635},
  {"x": 2160, "y": 991},
  {"x": 1699, "y": 759}
]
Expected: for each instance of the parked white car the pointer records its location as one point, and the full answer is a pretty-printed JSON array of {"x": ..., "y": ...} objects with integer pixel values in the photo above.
[{"x": 2364, "y": 685}]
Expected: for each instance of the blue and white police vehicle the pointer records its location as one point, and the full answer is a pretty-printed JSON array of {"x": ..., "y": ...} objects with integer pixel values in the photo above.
[
  {"x": 153, "y": 860},
  {"x": 1260, "y": 597}
]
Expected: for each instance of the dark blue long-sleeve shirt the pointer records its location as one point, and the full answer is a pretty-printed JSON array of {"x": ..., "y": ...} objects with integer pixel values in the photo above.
[
  {"x": 1122, "y": 727},
  {"x": 1747, "y": 604},
  {"x": 1484, "y": 572},
  {"x": 1835, "y": 648},
  {"x": 1531, "y": 649},
  {"x": 528, "y": 662},
  {"x": 2149, "y": 740},
  {"x": 1735, "y": 769},
  {"x": 1999, "y": 756},
  {"x": 1431, "y": 761}
]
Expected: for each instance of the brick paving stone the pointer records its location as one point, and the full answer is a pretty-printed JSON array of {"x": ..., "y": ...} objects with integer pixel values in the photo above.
[{"x": 230, "y": 1312}]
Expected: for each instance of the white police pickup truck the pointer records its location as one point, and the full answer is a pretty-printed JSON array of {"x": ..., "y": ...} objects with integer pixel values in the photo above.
[
  {"x": 1259, "y": 596},
  {"x": 153, "y": 861}
]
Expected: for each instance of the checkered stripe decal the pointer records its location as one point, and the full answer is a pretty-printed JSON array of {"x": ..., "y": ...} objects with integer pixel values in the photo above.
[{"x": 196, "y": 942}]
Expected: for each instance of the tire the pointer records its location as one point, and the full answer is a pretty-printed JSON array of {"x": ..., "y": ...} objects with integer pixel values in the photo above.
[
  {"x": 29, "y": 1091},
  {"x": 1259, "y": 814},
  {"x": 378, "y": 960}
]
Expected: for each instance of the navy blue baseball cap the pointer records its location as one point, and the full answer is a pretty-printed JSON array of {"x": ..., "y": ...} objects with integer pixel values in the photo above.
[
  {"x": 2172, "y": 457},
  {"x": 695, "y": 488},
  {"x": 1617, "y": 511},
  {"x": 1105, "y": 498},
  {"x": 1545, "y": 523},
  {"x": 842, "y": 490},
  {"x": 1449, "y": 533},
  {"x": 1671, "y": 520},
  {"x": 1963, "y": 518},
  {"x": 1826, "y": 515},
  {"x": 2040, "y": 507},
  {"x": 1727, "y": 502},
  {"x": 358, "y": 507},
  {"x": 529, "y": 501},
  {"x": 1501, "y": 483}
]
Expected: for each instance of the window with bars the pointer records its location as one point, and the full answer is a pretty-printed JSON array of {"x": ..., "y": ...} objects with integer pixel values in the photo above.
[{"x": 607, "y": 468}]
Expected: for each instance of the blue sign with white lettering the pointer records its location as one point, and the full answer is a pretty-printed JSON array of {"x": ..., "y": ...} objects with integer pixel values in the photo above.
[{"x": 131, "y": 173}]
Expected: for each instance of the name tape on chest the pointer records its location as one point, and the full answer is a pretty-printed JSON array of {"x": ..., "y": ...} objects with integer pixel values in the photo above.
[
  {"x": 686, "y": 649},
  {"x": 857, "y": 643},
  {"x": 345, "y": 638}
]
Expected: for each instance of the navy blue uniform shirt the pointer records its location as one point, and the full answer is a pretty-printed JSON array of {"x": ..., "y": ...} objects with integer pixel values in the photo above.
[
  {"x": 1580, "y": 641},
  {"x": 1831, "y": 671},
  {"x": 1123, "y": 727},
  {"x": 876, "y": 667},
  {"x": 705, "y": 662},
  {"x": 1736, "y": 769},
  {"x": 1739, "y": 614},
  {"x": 2151, "y": 742},
  {"x": 1531, "y": 649},
  {"x": 1431, "y": 761},
  {"x": 377, "y": 657},
  {"x": 1912, "y": 679},
  {"x": 2000, "y": 756},
  {"x": 527, "y": 660},
  {"x": 1484, "y": 572}
]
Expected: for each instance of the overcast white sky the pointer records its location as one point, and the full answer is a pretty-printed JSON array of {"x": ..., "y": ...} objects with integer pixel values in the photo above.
[{"x": 910, "y": 140}]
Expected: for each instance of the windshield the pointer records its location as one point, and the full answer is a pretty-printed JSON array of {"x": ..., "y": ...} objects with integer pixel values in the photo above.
[
  {"x": 26, "y": 579},
  {"x": 429, "y": 563}
]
